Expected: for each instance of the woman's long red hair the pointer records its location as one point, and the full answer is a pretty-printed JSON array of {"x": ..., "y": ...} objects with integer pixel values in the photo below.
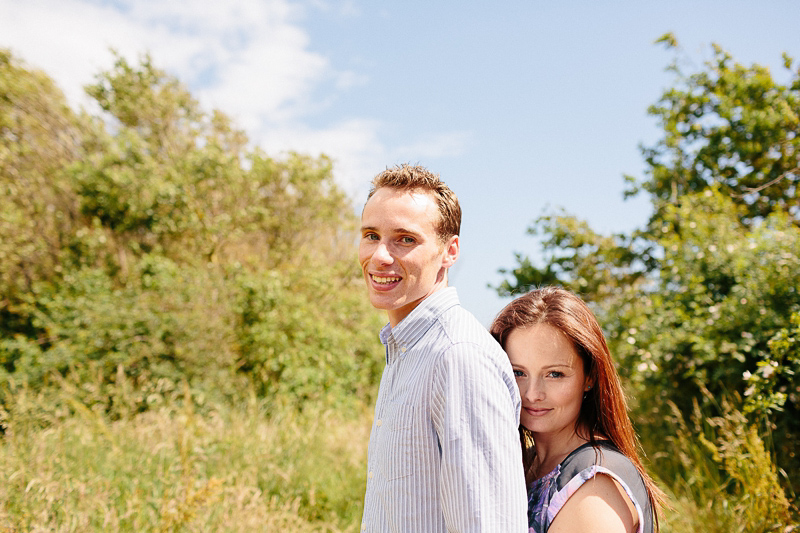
[{"x": 604, "y": 412}]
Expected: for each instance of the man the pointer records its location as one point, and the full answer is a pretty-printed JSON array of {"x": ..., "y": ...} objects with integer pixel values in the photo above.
[{"x": 444, "y": 451}]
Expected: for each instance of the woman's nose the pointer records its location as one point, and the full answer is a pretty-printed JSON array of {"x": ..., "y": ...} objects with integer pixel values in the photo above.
[{"x": 533, "y": 391}]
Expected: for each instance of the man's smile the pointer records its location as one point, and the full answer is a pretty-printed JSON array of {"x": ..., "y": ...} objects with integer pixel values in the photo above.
[{"x": 384, "y": 279}]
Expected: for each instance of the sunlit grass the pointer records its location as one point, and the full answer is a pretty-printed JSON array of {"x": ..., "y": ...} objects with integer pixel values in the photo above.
[
  {"x": 174, "y": 470},
  {"x": 722, "y": 478},
  {"x": 242, "y": 469}
]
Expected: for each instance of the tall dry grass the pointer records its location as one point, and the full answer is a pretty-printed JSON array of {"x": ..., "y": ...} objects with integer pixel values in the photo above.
[
  {"x": 243, "y": 469},
  {"x": 722, "y": 477},
  {"x": 171, "y": 470}
]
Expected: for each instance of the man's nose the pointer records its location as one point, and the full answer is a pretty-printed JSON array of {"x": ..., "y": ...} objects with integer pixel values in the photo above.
[{"x": 382, "y": 255}]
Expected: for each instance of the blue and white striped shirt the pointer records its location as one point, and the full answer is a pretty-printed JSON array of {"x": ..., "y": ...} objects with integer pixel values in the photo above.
[{"x": 444, "y": 451}]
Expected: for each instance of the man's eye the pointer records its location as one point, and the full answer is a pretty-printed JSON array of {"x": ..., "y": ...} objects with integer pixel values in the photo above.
[
  {"x": 407, "y": 240},
  {"x": 371, "y": 237}
]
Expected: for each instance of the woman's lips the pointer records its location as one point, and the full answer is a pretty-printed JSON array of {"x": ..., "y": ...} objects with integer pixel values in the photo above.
[{"x": 537, "y": 411}]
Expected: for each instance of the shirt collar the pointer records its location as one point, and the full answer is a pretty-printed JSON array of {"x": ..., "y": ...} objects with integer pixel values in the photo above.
[{"x": 420, "y": 319}]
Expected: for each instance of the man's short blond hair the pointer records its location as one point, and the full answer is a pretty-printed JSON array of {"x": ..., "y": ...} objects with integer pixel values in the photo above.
[{"x": 407, "y": 177}]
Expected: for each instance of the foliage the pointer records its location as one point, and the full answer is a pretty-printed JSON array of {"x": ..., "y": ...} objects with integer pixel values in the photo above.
[
  {"x": 233, "y": 469},
  {"x": 301, "y": 338},
  {"x": 247, "y": 467},
  {"x": 39, "y": 139},
  {"x": 150, "y": 245},
  {"x": 775, "y": 380},
  {"x": 732, "y": 126},
  {"x": 703, "y": 296},
  {"x": 723, "y": 477},
  {"x": 725, "y": 293}
]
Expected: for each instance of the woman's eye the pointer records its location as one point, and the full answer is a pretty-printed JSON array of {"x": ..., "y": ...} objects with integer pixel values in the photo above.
[
  {"x": 555, "y": 374},
  {"x": 518, "y": 373}
]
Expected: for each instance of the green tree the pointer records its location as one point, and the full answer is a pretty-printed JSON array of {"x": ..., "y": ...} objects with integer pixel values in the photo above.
[
  {"x": 40, "y": 137},
  {"x": 152, "y": 245},
  {"x": 729, "y": 125},
  {"x": 702, "y": 297}
]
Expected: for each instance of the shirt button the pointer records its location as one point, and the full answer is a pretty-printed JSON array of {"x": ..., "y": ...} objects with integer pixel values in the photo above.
[
  {"x": 379, "y": 422},
  {"x": 370, "y": 474},
  {"x": 403, "y": 349},
  {"x": 363, "y": 527}
]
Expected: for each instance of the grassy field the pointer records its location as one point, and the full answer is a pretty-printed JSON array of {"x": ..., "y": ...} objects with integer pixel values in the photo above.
[
  {"x": 232, "y": 470},
  {"x": 243, "y": 469}
]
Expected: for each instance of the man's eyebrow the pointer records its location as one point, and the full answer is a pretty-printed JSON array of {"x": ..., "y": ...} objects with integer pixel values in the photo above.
[
  {"x": 394, "y": 230},
  {"x": 404, "y": 230}
]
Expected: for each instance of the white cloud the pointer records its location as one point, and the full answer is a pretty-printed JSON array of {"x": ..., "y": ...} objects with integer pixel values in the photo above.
[
  {"x": 248, "y": 56},
  {"x": 65, "y": 39},
  {"x": 346, "y": 8},
  {"x": 354, "y": 145},
  {"x": 347, "y": 79},
  {"x": 252, "y": 59},
  {"x": 448, "y": 144},
  {"x": 270, "y": 79},
  {"x": 201, "y": 17}
]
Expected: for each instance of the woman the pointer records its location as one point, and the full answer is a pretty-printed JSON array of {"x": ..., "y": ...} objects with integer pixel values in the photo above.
[{"x": 579, "y": 448}]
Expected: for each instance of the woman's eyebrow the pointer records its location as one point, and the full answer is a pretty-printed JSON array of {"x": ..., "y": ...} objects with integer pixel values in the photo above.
[{"x": 558, "y": 365}]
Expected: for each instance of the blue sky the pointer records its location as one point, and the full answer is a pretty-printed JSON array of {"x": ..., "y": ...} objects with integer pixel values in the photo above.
[{"x": 521, "y": 106}]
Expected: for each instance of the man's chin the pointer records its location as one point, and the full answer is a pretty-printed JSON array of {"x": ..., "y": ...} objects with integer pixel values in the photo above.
[{"x": 383, "y": 303}]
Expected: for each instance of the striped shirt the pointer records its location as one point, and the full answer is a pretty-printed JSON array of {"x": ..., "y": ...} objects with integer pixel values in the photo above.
[{"x": 444, "y": 451}]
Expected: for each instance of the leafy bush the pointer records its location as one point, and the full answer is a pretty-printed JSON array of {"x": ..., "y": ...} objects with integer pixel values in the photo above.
[
  {"x": 157, "y": 249},
  {"x": 301, "y": 338},
  {"x": 722, "y": 476},
  {"x": 726, "y": 291}
]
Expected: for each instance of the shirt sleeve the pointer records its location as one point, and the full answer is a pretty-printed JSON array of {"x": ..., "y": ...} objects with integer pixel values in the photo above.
[
  {"x": 475, "y": 411},
  {"x": 560, "y": 497}
]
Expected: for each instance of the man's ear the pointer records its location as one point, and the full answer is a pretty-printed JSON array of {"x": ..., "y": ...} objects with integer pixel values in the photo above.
[{"x": 451, "y": 250}]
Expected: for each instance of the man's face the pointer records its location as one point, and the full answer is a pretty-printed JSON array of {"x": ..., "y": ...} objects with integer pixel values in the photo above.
[{"x": 400, "y": 254}]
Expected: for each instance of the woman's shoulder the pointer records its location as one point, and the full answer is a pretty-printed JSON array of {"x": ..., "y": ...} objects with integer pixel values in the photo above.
[
  {"x": 601, "y": 454},
  {"x": 603, "y": 457}
]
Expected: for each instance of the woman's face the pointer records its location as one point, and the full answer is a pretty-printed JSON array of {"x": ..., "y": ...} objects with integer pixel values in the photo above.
[{"x": 550, "y": 377}]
